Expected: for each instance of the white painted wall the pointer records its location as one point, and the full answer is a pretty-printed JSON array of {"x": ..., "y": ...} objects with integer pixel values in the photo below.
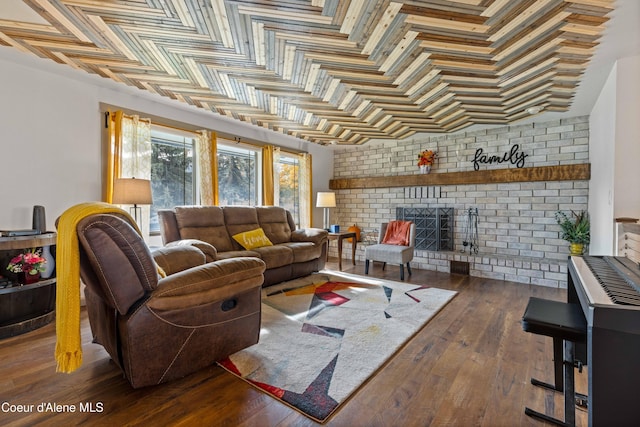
[
  {"x": 627, "y": 155},
  {"x": 50, "y": 139},
  {"x": 614, "y": 154},
  {"x": 601, "y": 153}
]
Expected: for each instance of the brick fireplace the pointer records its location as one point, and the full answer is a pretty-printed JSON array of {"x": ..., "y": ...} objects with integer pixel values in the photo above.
[{"x": 518, "y": 235}]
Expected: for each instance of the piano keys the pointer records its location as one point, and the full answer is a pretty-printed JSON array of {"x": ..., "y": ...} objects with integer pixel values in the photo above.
[{"x": 608, "y": 291}]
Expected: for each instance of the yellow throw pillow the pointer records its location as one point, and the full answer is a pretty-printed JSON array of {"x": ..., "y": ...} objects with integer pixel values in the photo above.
[{"x": 252, "y": 239}]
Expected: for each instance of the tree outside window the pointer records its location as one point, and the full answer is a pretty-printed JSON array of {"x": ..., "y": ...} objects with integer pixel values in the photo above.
[
  {"x": 289, "y": 178},
  {"x": 172, "y": 173},
  {"x": 238, "y": 172}
]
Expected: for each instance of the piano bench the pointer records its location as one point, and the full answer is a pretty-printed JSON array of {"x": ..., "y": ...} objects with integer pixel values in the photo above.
[
  {"x": 566, "y": 324},
  {"x": 555, "y": 319}
]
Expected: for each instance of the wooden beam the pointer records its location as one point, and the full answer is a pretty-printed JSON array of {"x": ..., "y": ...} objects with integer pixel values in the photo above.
[{"x": 577, "y": 172}]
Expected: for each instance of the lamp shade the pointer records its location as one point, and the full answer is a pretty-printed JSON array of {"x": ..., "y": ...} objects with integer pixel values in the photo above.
[
  {"x": 132, "y": 191},
  {"x": 326, "y": 200}
]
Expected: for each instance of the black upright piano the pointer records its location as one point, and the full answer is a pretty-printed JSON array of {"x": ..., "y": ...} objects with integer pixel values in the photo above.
[{"x": 608, "y": 290}]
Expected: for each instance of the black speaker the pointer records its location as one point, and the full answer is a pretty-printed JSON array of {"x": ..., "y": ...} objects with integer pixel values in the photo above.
[{"x": 39, "y": 220}]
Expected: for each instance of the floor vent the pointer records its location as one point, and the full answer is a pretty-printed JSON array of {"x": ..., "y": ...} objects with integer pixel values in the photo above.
[{"x": 459, "y": 267}]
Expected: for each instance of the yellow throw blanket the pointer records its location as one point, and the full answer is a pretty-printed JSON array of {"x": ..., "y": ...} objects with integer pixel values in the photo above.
[{"x": 68, "y": 352}]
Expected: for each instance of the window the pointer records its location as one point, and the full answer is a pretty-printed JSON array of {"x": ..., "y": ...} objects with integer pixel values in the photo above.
[
  {"x": 289, "y": 184},
  {"x": 172, "y": 172},
  {"x": 239, "y": 172}
]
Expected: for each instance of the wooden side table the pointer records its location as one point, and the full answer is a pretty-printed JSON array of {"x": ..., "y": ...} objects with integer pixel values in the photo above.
[
  {"x": 340, "y": 236},
  {"x": 28, "y": 307}
]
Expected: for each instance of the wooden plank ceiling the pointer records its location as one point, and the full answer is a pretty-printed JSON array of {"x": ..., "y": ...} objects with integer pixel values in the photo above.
[{"x": 331, "y": 71}]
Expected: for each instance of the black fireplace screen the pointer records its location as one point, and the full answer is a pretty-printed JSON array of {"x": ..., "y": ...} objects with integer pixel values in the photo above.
[{"x": 434, "y": 227}]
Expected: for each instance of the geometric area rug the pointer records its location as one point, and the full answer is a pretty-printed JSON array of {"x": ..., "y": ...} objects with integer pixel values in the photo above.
[{"x": 322, "y": 336}]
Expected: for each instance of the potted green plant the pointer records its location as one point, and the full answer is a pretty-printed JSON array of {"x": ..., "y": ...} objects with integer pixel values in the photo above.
[{"x": 575, "y": 230}]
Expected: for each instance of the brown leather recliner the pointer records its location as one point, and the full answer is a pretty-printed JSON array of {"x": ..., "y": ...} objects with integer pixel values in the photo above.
[{"x": 158, "y": 329}]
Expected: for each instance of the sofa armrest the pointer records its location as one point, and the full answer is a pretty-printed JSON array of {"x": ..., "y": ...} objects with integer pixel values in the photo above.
[
  {"x": 169, "y": 229},
  {"x": 207, "y": 283},
  {"x": 209, "y": 251},
  {"x": 315, "y": 235},
  {"x": 173, "y": 259}
]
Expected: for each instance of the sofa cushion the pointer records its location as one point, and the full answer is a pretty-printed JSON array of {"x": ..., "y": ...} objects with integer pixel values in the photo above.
[
  {"x": 236, "y": 254},
  {"x": 206, "y": 223},
  {"x": 275, "y": 256},
  {"x": 273, "y": 220},
  {"x": 239, "y": 219},
  {"x": 252, "y": 239},
  {"x": 304, "y": 251}
]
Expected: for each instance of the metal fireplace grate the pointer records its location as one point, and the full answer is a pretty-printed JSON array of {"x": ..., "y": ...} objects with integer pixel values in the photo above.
[{"x": 434, "y": 227}]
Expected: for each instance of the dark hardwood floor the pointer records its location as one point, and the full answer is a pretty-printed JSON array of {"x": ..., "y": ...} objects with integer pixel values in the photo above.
[{"x": 470, "y": 366}]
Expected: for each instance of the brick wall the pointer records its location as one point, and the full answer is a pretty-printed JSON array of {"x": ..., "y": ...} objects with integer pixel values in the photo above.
[{"x": 518, "y": 235}]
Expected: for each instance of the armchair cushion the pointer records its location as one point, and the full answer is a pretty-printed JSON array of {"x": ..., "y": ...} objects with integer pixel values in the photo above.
[{"x": 393, "y": 254}]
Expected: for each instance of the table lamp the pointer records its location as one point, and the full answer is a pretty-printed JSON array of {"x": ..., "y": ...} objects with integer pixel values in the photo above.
[
  {"x": 132, "y": 191},
  {"x": 326, "y": 200}
]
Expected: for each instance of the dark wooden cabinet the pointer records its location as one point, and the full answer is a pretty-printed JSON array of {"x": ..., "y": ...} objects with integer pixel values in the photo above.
[{"x": 24, "y": 308}]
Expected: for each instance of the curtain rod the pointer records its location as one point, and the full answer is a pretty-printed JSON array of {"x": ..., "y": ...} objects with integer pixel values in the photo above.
[
  {"x": 108, "y": 113},
  {"x": 195, "y": 132}
]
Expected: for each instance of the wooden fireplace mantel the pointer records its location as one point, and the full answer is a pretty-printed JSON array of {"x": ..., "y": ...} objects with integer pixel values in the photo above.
[{"x": 574, "y": 172}]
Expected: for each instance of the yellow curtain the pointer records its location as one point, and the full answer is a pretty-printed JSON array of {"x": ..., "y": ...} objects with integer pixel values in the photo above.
[
  {"x": 214, "y": 168},
  {"x": 306, "y": 195},
  {"x": 276, "y": 176},
  {"x": 128, "y": 155},
  {"x": 135, "y": 161},
  {"x": 114, "y": 154},
  {"x": 207, "y": 146},
  {"x": 267, "y": 175}
]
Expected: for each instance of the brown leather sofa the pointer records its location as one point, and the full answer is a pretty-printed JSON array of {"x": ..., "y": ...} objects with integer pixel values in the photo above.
[
  {"x": 158, "y": 329},
  {"x": 294, "y": 253}
]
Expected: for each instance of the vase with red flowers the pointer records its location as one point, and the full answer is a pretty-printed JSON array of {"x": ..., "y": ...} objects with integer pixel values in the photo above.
[
  {"x": 426, "y": 159},
  {"x": 28, "y": 266}
]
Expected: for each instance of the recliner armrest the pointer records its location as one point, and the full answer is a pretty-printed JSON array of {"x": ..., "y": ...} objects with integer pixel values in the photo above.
[
  {"x": 173, "y": 259},
  {"x": 315, "y": 235},
  {"x": 207, "y": 283},
  {"x": 209, "y": 251}
]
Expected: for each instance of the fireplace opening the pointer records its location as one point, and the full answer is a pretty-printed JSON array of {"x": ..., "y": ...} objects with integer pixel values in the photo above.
[{"x": 434, "y": 227}]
